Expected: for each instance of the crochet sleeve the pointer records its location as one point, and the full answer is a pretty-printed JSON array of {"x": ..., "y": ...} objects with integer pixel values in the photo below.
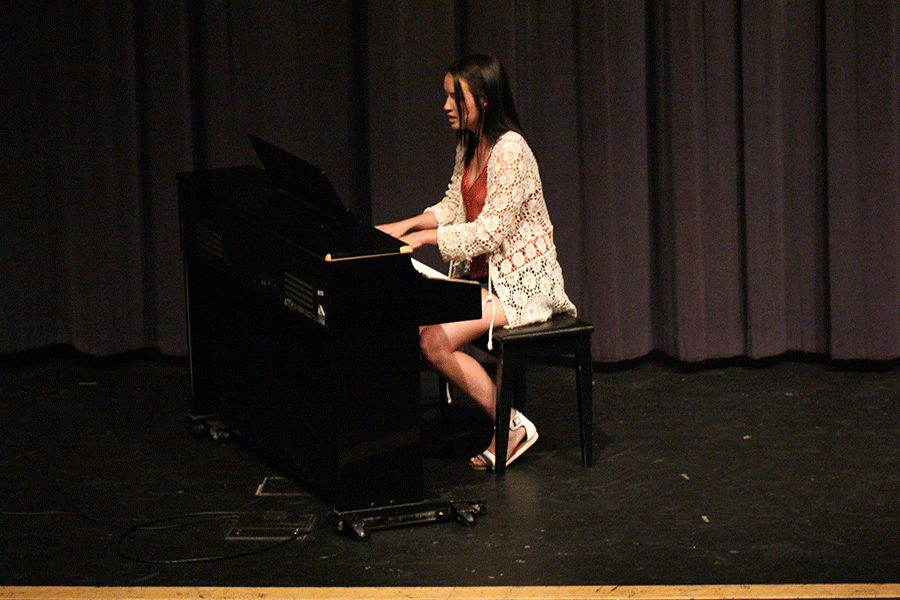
[{"x": 505, "y": 195}]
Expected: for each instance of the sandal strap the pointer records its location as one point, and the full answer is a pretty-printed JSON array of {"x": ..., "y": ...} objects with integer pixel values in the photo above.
[
  {"x": 488, "y": 458},
  {"x": 516, "y": 422}
]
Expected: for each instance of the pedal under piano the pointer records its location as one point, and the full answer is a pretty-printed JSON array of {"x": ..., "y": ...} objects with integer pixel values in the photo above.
[{"x": 303, "y": 328}]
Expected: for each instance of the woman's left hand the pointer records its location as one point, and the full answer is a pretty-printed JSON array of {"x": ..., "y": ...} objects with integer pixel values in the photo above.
[{"x": 396, "y": 230}]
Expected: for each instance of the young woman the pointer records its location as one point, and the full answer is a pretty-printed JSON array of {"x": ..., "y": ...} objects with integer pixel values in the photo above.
[{"x": 492, "y": 226}]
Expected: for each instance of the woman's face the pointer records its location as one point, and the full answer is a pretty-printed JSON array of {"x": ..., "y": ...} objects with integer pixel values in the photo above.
[{"x": 468, "y": 101}]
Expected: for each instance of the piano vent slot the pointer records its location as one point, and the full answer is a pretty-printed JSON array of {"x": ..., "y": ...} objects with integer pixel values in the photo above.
[
  {"x": 209, "y": 240},
  {"x": 300, "y": 295}
]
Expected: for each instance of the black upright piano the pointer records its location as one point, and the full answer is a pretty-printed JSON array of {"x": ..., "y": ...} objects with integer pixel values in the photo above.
[{"x": 303, "y": 334}]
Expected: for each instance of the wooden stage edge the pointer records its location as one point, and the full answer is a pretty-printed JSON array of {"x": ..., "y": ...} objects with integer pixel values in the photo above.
[{"x": 675, "y": 592}]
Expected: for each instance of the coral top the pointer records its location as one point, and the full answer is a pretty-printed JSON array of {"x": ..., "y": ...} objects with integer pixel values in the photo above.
[{"x": 473, "y": 198}]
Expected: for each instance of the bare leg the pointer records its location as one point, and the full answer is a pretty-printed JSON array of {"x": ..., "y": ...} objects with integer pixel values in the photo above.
[{"x": 441, "y": 346}]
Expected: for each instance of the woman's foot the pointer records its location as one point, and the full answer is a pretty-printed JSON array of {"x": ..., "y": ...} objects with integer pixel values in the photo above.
[{"x": 522, "y": 435}]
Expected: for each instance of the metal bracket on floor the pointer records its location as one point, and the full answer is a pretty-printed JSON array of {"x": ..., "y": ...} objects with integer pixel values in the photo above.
[{"x": 359, "y": 523}]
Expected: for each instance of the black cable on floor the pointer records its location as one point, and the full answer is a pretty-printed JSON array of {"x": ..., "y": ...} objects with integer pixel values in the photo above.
[
  {"x": 161, "y": 524},
  {"x": 156, "y": 525}
]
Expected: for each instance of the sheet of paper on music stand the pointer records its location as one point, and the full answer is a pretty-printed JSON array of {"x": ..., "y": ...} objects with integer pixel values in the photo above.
[{"x": 427, "y": 271}]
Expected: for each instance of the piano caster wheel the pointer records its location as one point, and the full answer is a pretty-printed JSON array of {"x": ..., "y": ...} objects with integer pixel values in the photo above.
[
  {"x": 214, "y": 429},
  {"x": 359, "y": 532},
  {"x": 465, "y": 514},
  {"x": 219, "y": 432},
  {"x": 199, "y": 431}
]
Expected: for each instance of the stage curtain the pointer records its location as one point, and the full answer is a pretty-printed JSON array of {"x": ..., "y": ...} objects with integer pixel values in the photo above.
[{"x": 723, "y": 177}]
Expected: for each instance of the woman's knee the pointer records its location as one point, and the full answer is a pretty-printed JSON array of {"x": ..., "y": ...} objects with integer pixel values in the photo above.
[{"x": 434, "y": 344}]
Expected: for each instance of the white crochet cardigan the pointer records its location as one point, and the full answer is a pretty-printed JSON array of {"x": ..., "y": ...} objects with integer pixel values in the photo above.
[{"x": 513, "y": 229}]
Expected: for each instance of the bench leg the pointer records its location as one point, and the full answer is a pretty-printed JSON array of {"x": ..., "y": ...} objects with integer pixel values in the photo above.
[
  {"x": 506, "y": 384},
  {"x": 585, "y": 400}
]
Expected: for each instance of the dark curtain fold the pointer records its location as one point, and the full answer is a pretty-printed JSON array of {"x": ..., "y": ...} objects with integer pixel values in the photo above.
[
  {"x": 696, "y": 192},
  {"x": 862, "y": 70},
  {"x": 783, "y": 169},
  {"x": 613, "y": 219},
  {"x": 724, "y": 178}
]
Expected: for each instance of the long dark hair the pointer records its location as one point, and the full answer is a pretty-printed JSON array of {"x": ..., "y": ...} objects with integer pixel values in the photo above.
[{"x": 487, "y": 81}]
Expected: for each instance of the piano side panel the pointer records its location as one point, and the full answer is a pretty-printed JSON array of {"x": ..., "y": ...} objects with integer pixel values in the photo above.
[
  {"x": 360, "y": 439},
  {"x": 340, "y": 411},
  {"x": 222, "y": 317}
]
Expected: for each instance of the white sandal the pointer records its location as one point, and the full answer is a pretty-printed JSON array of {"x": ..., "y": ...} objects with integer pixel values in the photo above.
[
  {"x": 531, "y": 435},
  {"x": 487, "y": 459}
]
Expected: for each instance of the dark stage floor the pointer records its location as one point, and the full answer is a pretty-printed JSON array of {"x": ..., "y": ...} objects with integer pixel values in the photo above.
[{"x": 787, "y": 472}]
